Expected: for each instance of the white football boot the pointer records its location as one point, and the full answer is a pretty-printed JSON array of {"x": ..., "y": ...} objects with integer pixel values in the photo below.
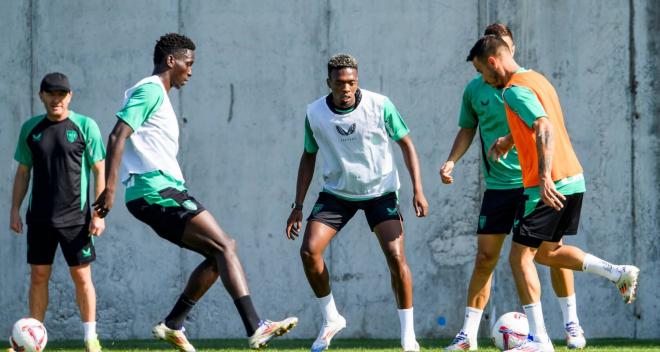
[
  {"x": 327, "y": 332},
  {"x": 462, "y": 343},
  {"x": 574, "y": 336},
  {"x": 92, "y": 345},
  {"x": 411, "y": 348},
  {"x": 175, "y": 337},
  {"x": 269, "y": 330},
  {"x": 533, "y": 346},
  {"x": 627, "y": 283}
]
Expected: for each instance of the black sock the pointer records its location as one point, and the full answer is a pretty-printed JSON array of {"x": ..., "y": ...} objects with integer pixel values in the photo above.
[
  {"x": 178, "y": 314},
  {"x": 248, "y": 314}
]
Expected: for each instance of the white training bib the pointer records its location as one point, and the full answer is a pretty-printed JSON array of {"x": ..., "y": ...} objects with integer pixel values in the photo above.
[{"x": 357, "y": 154}]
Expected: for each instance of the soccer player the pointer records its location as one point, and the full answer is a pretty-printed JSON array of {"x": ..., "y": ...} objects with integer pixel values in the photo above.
[
  {"x": 352, "y": 128},
  {"x": 553, "y": 181},
  {"x": 482, "y": 106},
  {"x": 58, "y": 149},
  {"x": 147, "y": 134}
]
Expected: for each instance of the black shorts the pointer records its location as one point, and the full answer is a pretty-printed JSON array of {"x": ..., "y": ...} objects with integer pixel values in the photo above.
[
  {"x": 169, "y": 222},
  {"x": 336, "y": 212},
  {"x": 498, "y": 210},
  {"x": 545, "y": 223},
  {"x": 76, "y": 243}
]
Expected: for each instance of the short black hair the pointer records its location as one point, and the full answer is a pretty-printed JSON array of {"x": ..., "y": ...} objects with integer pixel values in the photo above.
[
  {"x": 339, "y": 61},
  {"x": 499, "y": 29},
  {"x": 170, "y": 44},
  {"x": 487, "y": 45}
]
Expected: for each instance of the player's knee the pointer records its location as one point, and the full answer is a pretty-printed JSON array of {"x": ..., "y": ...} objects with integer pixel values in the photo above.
[
  {"x": 83, "y": 282},
  {"x": 39, "y": 277},
  {"x": 305, "y": 254},
  {"x": 396, "y": 257},
  {"x": 81, "y": 279},
  {"x": 225, "y": 248},
  {"x": 308, "y": 256},
  {"x": 516, "y": 260},
  {"x": 543, "y": 258},
  {"x": 486, "y": 260}
]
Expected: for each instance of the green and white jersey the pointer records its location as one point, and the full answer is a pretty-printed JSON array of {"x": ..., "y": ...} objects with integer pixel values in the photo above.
[
  {"x": 483, "y": 106},
  {"x": 149, "y": 163},
  {"x": 358, "y": 162}
]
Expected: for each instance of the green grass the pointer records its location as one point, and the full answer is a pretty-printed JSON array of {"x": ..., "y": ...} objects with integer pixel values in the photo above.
[{"x": 343, "y": 345}]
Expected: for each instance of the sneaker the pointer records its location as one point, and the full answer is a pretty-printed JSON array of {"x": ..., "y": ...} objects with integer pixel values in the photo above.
[
  {"x": 413, "y": 348},
  {"x": 462, "y": 343},
  {"x": 533, "y": 346},
  {"x": 627, "y": 283},
  {"x": 175, "y": 337},
  {"x": 328, "y": 331},
  {"x": 574, "y": 336},
  {"x": 268, "y": 330},
  {"x": 92, "y": 345}
]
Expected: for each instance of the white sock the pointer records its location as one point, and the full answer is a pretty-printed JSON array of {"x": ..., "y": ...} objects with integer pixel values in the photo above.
[
  {"x": 595, "y": 265},
  {"x": 471, "y": 322},
  {"x": 328, "y": 307},
  {"x": 568, "y": 309},
  {"x": 407, "y": 327},
  {"x": 537, "y": 330},
  {"x": 90, "y": 330}
]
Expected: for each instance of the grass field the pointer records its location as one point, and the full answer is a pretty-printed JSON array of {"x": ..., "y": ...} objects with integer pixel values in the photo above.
[{"x": 343, "y": 345}]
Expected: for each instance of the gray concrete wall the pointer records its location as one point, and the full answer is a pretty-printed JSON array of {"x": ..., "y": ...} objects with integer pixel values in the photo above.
[{"x": 258, "y": 64}]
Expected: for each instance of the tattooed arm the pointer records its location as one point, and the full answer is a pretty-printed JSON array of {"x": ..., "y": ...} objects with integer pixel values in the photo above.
[{"x": 544, "y": 149}]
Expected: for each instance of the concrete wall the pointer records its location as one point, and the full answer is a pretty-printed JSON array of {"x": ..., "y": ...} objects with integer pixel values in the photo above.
[{"x": 258, "y": 64}]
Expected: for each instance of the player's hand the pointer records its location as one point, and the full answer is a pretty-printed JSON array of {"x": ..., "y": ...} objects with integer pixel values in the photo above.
[
  {"x": 420, "y": 205},
  {"x": 96, "y": 226},
  {"x": 104, "y": 202},
  {"x": 294, "y": 224},
  {"x": 549, "y": 194},
  {"x": 500, "y": 148},
  {"x": 15, "y": 222},
  {"x": 445, "y": 172}
]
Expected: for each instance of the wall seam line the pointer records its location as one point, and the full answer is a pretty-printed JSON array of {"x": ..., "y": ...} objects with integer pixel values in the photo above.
[
  {"x": 634, "y": 115},
  {"x": 32, "y": 65}
]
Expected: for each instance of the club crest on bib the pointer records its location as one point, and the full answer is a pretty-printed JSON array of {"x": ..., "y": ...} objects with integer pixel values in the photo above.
[
  {"x": 71, "y": 135},
  {"x": 344, "y": 132}
]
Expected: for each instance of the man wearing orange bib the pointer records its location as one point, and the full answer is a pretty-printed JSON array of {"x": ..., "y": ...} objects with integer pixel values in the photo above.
[{"x": 553, "y": 182}]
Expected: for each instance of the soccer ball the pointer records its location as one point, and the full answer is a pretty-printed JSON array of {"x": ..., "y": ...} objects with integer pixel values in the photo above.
[
  {"x": 28, "y": 335},
  {"x": 510, "y": 330}
]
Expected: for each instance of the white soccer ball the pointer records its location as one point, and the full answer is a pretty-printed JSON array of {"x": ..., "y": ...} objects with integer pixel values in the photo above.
[
  {"x": 28, "y": 335},
  {"x": 510, "y": 330}
]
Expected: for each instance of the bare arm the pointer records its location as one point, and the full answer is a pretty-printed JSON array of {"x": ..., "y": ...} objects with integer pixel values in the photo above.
[
  {"x": 544, "y": 149},
  {"x": 500, "y": 147},
  {"x": 420, "y": 204},
  {"x": 97, "y": 225},
  {"x": 305, "y": 174},
  {"x": 462, "y": 143},
  {"x": 116, "y": 142},
  {"x": 21, "y": 183}
]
